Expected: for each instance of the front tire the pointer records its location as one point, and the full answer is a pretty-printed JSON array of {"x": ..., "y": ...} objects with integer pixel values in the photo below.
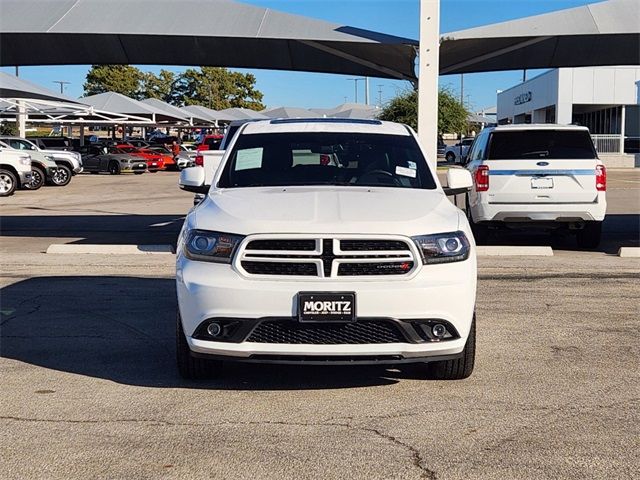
[
  {"x": 61, "y": 176},
  {"x": 458, "y": 368},
  {"x": 190, "y": 367},
  {"x": 8, "y": 183},
  {"x": 590, "y": 235},
  {"x": 114, "y": 168},
  {"x": 37, "y": 179}
]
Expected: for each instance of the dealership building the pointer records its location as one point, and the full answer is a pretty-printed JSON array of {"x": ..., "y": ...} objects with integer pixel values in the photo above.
[{"x": 605, "y": 99}]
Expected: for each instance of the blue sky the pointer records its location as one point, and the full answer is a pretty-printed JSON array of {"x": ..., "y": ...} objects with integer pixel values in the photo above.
[{"x": 396, "y": 17}]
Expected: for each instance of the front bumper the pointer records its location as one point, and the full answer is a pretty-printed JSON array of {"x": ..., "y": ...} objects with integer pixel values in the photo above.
[
  {"x": 210, "y": 290},
  {"x": 24, "y": 177},
  {"x": 137, "y": 167}
]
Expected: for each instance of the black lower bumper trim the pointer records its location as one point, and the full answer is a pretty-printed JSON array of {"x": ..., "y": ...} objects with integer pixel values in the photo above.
[{"x": 329, "y": 359}]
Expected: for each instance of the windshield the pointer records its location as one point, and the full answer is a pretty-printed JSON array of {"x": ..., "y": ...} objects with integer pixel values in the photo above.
[
  {"x": 532, "y": 144},
  {"x": 289, "y": 159},
  {"x": 125, "y": 149}
]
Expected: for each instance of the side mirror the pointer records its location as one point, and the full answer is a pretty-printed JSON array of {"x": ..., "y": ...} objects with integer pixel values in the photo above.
[
  {"x": 458, "y": 181},
  {"x": 192, "y": 180}
]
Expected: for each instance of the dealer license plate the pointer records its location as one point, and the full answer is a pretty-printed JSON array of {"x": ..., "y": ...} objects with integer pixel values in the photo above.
[
  {"x": 326, "y": 306},
  {"x": 541, "y": 182}
]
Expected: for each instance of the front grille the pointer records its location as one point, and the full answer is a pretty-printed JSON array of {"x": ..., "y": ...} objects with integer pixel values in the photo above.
[
  {"x": 327, "y": 257},
  {"x": 357, "y": 333},
  {"x": 361, "y": 269},
  {"x": 280, "y": 268},
  {"x": 285, "y": 244},
  {"x": 369, "y": 245}
]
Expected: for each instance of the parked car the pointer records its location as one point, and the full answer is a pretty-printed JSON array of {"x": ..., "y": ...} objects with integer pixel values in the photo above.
[
  {"x": 545, "y": 176},
  {"x": 52, "y": 143},
  {"x": 455, "y": 153},
  {"x": 154, "y": 160},
  {"x": 58, "y": 166},
  {"x": 99, "y": 158},
  {"x": 138, "y": 142},
  {"x": 43, "y": 167},
  {"x": 170, "y": 162},
  {"x": 15, "y": 170},
  {"x": 307, "y": 261}
]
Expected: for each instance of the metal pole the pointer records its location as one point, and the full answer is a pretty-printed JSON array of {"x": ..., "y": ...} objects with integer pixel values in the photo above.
[
  {"x": 366, "y": 90},
  {"x": 17, "y": 71},
  {"x": 380, "y": 95},
  {"x": 355, "y": 81},
  {"x": 22, "y": 119},
  {"x": 428, "y": 82}
]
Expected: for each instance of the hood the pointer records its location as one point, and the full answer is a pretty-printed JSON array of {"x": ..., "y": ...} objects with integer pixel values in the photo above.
[
  {"x": 321, "y": 210},
  {"x": 126, "y": 157}
]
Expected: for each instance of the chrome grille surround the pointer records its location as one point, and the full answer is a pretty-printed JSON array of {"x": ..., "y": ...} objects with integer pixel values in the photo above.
[{"x": 400, "y": 262}]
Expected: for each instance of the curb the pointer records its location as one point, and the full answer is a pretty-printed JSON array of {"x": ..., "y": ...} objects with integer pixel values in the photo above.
[
  {"x": 70, "y": 248},
  {"x": 629, "y": 252},
  {"x": 506, "y": 251}
]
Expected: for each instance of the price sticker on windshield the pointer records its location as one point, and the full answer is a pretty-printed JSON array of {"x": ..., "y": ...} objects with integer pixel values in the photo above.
[{"x": 406, "y": 172}]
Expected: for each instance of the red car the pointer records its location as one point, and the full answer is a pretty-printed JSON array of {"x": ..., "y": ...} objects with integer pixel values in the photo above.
[
  {"x": 210, "y": 142},
  {"x": 154, "y": 160}
]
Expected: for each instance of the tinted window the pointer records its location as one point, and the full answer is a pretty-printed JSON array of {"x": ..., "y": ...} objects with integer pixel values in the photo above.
[
  {"x": 286, "y": 159},
  {"x": 21, "y": 145},
  {"x": 532, "y": 144},
  {"x": 54, "y": 142}
]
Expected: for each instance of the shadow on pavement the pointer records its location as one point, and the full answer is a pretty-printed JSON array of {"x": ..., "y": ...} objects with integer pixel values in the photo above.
[
  {"x": 122, "y": 329},
  {"x": 96, "y": 229},
  {"x": 619, "y": 230}
]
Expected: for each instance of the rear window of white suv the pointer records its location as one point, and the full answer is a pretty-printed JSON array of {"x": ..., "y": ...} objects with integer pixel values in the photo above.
[
  {"x": 532, "y": 144},
  {"x": 320, "y": 158}
]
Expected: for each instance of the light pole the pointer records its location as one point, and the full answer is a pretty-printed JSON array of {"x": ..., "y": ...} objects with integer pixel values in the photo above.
[
  {"x": 62, "y": 83},
  {"x": 355, "y": 81}
]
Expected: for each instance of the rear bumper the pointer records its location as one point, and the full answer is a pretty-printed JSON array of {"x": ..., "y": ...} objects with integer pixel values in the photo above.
[{"x": 495, "y": 212}]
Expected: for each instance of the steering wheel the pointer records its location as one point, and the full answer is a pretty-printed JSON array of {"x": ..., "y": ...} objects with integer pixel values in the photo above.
[{"x": 373, "y": 173}]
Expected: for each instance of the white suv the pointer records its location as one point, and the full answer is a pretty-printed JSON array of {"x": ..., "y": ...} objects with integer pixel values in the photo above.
[
  {"x": 15, "y": 170},
  {"x": 545, "y": 176},
  {"x": 323, "y": 241}
]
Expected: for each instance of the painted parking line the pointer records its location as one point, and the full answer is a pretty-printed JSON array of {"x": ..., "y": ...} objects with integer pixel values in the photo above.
[{"x": 71, "y": 248}]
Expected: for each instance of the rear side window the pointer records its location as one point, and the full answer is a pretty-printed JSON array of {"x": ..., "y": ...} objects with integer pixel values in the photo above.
[
  {"x": 532, "y": 144},
  {"x": 55, "y": 142}
]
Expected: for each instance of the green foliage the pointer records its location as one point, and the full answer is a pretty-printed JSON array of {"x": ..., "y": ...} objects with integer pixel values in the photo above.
[
  {"x": 10, "y": 129},
  {"x": 123, "y": 79},
  {"x": 160, "y": 86},
  {"x": 213, "y": 87},
  {"x": 452, "y": 116}
]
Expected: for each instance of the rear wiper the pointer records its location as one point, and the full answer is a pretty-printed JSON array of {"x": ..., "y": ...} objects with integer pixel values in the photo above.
[{"x": 539, "y": 153}]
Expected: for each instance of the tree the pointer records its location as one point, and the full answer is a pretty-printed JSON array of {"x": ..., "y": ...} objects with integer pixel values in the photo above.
[
  {"x": 218, "y": 88},
  {"x": 452, "y": 116},
  {"x": 123, "y": 79},
  {"x": 160, "y": 86}
]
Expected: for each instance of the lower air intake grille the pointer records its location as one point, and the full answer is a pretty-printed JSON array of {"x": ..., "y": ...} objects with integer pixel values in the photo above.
[
  {"x": 280, "y": 268},
  {"x": 363, "y": 332}
]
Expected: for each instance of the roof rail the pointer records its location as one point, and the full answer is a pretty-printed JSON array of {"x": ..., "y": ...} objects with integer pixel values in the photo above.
[{"x": 326, "y": 120}]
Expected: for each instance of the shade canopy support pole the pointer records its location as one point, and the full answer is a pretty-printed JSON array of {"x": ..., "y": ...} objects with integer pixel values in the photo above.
[{"x": 428, "y": 78}]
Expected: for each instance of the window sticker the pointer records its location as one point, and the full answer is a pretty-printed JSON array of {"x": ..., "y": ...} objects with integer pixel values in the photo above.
[
  {"x": 248, "y": 159},
  {"x": 406, "y": 172},
  {"x": 412, "y": 165}
]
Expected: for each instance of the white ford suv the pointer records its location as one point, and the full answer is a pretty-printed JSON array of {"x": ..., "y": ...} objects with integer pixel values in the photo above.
[
  {"x": 325, "y": 241},
  {"x": 544, "y": 175}
]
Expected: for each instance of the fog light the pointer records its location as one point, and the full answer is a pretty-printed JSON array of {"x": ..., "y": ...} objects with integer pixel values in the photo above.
[
  {"x": 214, "y": 329},
  {"x": 439, "y": 330}
]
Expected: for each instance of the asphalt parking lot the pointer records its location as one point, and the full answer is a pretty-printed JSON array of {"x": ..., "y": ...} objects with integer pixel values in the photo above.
[{"x": 90, "y": 388}]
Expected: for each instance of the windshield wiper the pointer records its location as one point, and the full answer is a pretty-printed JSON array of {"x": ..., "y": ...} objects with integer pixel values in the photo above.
[{"x": 539, "y": 153}]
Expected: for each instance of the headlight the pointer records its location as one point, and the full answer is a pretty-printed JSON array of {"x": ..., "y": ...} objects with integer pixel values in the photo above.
[
  {"x": 443, "y": 247},
  {"x": 50, "y": 158},
  {"x": 25, "y": 161},
  {"x": 211, "y": 246}
]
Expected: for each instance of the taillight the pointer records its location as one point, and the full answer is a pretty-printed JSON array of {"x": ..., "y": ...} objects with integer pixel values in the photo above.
[
  {"x": 482, "y": 178},
  {"x": 601, "y": 178},
  {"x": 199, "y": 160}
]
